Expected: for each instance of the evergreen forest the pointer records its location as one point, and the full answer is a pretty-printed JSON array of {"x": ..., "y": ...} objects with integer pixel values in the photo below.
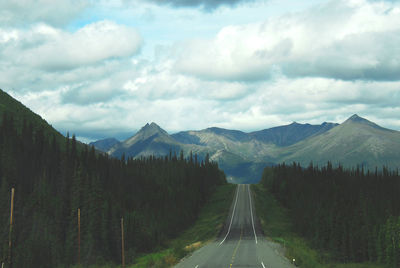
[
  {"x": 352, "y": 214},
  {"x": 157, "y": 197}
]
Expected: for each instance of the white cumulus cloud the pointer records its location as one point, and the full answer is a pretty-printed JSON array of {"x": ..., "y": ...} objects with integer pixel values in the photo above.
[
  {"x": 324, "y": 63},
  {"x": 338, "y": 39},
  {"x": 54, "y": 49}
]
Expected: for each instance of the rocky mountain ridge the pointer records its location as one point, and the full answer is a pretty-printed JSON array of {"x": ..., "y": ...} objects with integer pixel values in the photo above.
[{"x": 356, "y": 141}]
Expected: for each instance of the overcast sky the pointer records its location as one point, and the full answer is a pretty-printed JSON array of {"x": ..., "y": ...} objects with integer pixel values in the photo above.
[{"x": 106, "y": 68}]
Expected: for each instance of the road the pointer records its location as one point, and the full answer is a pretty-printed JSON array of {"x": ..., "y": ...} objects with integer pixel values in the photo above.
[{"x": 241, "y": 243}]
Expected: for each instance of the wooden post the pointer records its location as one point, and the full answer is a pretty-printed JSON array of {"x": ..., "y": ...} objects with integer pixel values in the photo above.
[
  {"x": 79, "y": 236},
  {"x": 11, "y": 224},
  {"x": 122, "y": 243}
]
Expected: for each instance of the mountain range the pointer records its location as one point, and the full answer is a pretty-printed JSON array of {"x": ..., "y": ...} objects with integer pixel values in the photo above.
[
  {"x": 356, "y": 141},
  {"x": 243, "y": 156}
]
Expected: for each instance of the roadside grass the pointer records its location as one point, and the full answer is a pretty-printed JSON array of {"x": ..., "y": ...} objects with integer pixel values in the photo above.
[
  {"x": 205, "y": 229},
  {"x": 277, "y": 226}
]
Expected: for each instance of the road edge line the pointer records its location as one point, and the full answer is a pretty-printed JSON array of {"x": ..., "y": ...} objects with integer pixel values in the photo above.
[
  {"x": 251, "y": 211},
  {"x": 233, "y": 213}
]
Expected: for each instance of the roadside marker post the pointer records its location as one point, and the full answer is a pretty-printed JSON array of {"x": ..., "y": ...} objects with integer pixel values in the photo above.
[
  {"x": 122, "y": 243},
  {"x": 11, "y": 225},
  {"x": 79, "y": 236}
]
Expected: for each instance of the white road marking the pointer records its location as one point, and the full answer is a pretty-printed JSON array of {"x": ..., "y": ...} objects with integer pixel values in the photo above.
[
  {"x": 198, "y": 266},
  {"x": 251, "y": 211},
  {"x": 261, "y": 264},
  {"x": 233, "y": 213}
]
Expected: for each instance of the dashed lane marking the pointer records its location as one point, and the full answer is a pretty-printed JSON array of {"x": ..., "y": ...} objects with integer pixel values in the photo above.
[{"x": 237, "y": 246}]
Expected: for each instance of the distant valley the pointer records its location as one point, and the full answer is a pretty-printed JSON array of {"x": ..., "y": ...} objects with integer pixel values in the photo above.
[{"x": 243, "y": 156}]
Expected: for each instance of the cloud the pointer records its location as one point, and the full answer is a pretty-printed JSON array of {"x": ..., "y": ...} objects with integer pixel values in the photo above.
[
  {"x": 207, "y": 5},
  {"x": 340, "y": 39},
  {"x": 87, "y": 66},
  {"x": 157, "y": 81},
  {"x": 95, "y": 92},
  {"x": 43, "y": 48},
  {"x": 315, "y": 100},
  {"x": 178, "y": 102},
  {"x": 60, "y": 50},
  {"x": 53, "y": 12},
  {"x": 322, "y": 64}
]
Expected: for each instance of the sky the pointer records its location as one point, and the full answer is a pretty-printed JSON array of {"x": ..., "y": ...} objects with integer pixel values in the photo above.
[{"x": 101, "y": 69}]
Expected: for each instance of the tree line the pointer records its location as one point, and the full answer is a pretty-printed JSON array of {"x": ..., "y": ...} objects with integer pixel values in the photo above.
[
  {"x": 353, "y": 214},
  {"x": 158, "y": 197}
]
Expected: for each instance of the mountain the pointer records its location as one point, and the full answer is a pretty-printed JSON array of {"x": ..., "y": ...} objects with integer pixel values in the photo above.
[
  {"x": 235, "y": 151},
  {"x": 290, "y": 134},
  {"x": 209, "y": 135},
  {"x": 238, "y": 169},
  {"x": 356, "y": 141},
  {"x": 105, "y": 144},
  {"x": 149, "y": 140},
  {"x": 242, "y": 156},
  {"x": 239, "y": 155},
  {"x": 215, "y": 139}
]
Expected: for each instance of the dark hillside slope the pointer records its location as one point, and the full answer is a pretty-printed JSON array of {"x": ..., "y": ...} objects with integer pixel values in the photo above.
[
  {"x": 21, "y": 113},
  {"x": 105, "y": 144}
]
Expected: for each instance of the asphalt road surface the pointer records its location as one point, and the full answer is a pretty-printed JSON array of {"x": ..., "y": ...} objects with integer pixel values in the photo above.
[{"x": 240, "y": 243}]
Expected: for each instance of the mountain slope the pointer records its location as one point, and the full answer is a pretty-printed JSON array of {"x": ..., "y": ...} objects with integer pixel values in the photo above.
[
  {"x": 243, "y": 156},
  {"x": 355, "y": 141},
  {"x": 150, "y": 140},
  {"x": 235, "y": 151},
  {"x": 20, "y": 113},
  {"x": 233, "y": 141},
  {"x": 290, "y": 134},
  {"x": 105, "y": 144},
  {"x": 215, "y": 137}
]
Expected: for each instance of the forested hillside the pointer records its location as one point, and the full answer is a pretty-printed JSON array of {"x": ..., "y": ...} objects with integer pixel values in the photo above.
[
  {"x": 157, "y": 197},
  {"x": 21, "y": 113},
  {"x": 352, "y": 214}
]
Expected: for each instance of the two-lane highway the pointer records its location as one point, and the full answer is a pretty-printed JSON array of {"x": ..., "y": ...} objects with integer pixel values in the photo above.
[{"x": 241, "y": 243}]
